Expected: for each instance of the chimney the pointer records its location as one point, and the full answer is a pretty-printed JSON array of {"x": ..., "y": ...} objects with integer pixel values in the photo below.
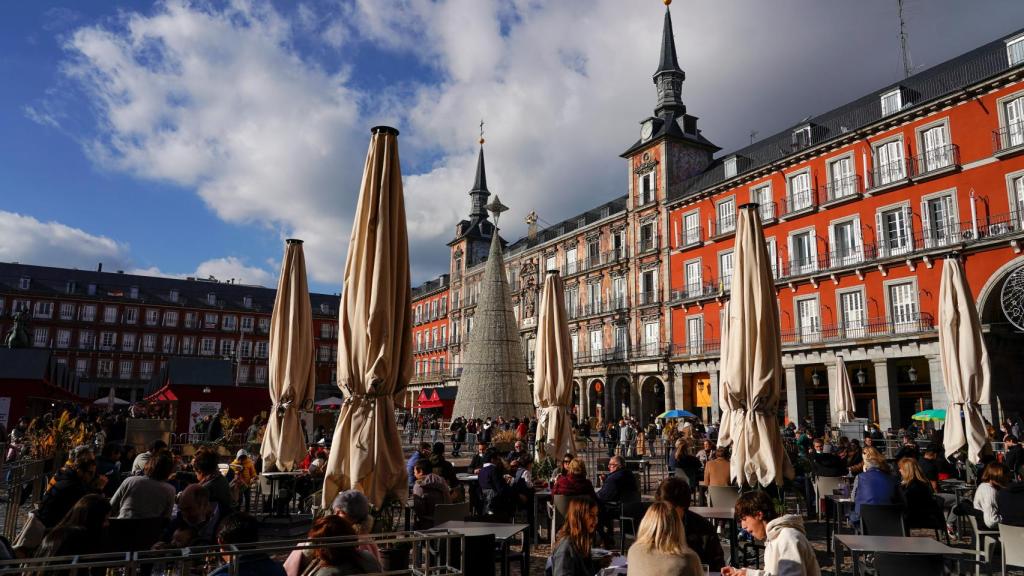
[
  {"x": 531, "y": 225},
  {"x": 99, "y": 267}
]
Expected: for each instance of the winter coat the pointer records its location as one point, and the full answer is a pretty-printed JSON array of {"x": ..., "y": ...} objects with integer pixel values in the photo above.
[
  {"x": 427, "y": 493},
  {"x": 569, "y": 485},
  {"x": 787, "y": 551}
]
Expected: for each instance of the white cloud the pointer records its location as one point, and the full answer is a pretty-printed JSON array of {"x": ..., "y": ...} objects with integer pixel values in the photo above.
[
  {"x": 28, "y": 240},
  {"x": 232, "y": 268}
]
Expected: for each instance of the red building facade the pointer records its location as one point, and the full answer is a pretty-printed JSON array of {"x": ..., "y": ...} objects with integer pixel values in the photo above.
[{"x": 430, "y": 336}]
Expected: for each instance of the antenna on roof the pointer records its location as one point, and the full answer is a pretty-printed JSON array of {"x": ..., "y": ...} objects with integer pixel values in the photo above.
[
  {"x": 753, "y": 134},
  {"x": 907, "y": 66}
]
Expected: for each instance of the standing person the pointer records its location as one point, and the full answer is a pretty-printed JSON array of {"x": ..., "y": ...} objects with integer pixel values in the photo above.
[
  {"x": 494, "y": 486},
  {"x": 1013, "y": 458},
  {"x": 660, "y": 546},
  {"x": 477, "y": 461},
  {"x": 215, "y": 431},
  {"x": 244, "y": 477},
  {"x": 571, "y": 554},
  {"x": 458, "y": 431},
  {"x": 625, "y": 438},
  {"x": 149, "y": 495},
  {"x": 787, "y": 552},
  {"x": 612, "y": 438}
]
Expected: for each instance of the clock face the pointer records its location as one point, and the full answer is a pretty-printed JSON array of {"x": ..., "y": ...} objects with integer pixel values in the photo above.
[{"x": 646, "y": 129}]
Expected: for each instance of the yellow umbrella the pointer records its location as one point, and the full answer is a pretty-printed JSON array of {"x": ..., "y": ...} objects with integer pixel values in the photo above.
[
  {"x": 964, "y": 359},
  {"x": 751, "y": 362},
  {"x": 375, "y": 334},
  {"x": 552, "y": 374},
  {"x": 291, "y": 366}
]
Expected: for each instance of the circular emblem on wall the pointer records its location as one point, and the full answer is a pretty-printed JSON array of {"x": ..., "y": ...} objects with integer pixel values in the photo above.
[
  {"x": 1012, "y": 298},
  {"x": 647, "y": 156}
]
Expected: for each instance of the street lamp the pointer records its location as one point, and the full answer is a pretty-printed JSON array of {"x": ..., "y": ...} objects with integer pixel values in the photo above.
[
  {"x": 815, "y": 378},
  {"x": 912, "y": 374},
  {"x": 862, "y": 377}
]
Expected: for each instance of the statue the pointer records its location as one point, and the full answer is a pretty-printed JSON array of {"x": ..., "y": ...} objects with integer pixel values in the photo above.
[{"x": 17, "y": 337}]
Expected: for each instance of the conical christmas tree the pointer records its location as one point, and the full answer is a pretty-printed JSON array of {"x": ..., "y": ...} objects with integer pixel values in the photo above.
[{"x": 494, "y": 378}]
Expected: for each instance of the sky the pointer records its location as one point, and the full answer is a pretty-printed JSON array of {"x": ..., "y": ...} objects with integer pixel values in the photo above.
[{"x": 192, "y": 138}]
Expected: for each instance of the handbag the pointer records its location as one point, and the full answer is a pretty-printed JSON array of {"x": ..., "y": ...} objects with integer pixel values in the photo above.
[{"x": 31, "y": 535}]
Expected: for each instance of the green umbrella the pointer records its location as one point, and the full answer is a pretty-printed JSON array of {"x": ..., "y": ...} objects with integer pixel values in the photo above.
[{"x": 933, "y": 415}]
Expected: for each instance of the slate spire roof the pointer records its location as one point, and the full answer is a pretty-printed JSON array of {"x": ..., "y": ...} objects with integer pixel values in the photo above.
[
  {"x": 479, "y": 192},
  {"x": 668, "y": 62}
]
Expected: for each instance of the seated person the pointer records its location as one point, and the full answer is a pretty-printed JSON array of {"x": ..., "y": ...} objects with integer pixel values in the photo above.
[
  {"x": 194, "y": 523},
  {"x": 354, "y": 508},
  {"x": 241, "y": 528},
  {"x": 915, "y": 492},
  {"x": 428, "y": 491},
  {"x": 518, "y": 451},
  {"x": 787, "y": 550},
  {"x": 340, "y": 560},
  {"x": 477, "y": 462},
  {"x": 993, "y": 479},
  {"x": 824, "y": 462},
  {"x": 575, "y": 482},
  {"x": 873, "y": 486},
  {"x": 660, "y": 546},
  {"x": 148, "y": 495},
  {"x": 619, "y": 486},
  {"x": 716, "y": 471},
  {"x": 494, "y": 485},
  {"x": 700, "y": 533},
  {"x": 208, "y": 474}
]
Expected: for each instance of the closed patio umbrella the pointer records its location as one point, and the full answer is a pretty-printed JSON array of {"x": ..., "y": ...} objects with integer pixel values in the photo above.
[
  {"x": 375, "y": 339},
  {"x": 552, "y": 373},
  {"x": 751, "y": 363},
  {"x": 291, "y": 369},
  {"x": 964, "y": 359},
  {"x": 841, "y": 395}
]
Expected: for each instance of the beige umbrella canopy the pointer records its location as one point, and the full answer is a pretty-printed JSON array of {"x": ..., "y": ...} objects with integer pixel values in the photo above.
[
  {"x": 751, "y": 363},
  {"x": 841, "y": 395},
  {"x": 552, "y": 374},
  {"x": 375, "y": 334},
  {"x": 964, "y": 358},
  {"x": 291, "y": 369}
]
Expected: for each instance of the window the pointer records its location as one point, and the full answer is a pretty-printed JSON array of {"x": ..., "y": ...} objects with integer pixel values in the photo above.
[
  {"x": 124, "y": 370},
  {"x": 188, "y": 345},
  {"x": 419, "y": 341},
  {"x": 264, "y": 325},
  {"x": 209, "y": 320},
  {"x": 851, "y": 314},
  {"x": 549, "y": 262},
  {"x": 938, "y": 220},
  {"x": 434, "y": 342},
  {"x": 149, "y": 342},
  {"x": 261, "y": 374},
  {"x": 418, "y": 315},
  {"x": 444, "y": 335},
  {"x": 70, "y": 287},
  {"x": 247, "y": 323},
  {"x": 652, "y": 339},
  {"x": 730, "y": 167},
  {"x": 24, "y": 282},
  {"x": 773, "y": 256},
  {"x": 762, "y": 195},
  {"x": 128, "y": 342},
  {"x": 808, "y": 319},
  {"x": 133, "y": 292},
  {"x": 596, "y": 345},
  {"x": 570, "y": 261},
  {"x": 893, "y": 231},
  {"x": 802, "y": 252},
  {"x": 131, "y": 315},
  {"x": 725, "y": 269},
  {"x": 902, "y": 306},
  {"x": 20, "y": 306},
  {"x": 1015, "y": 50},
  {"x": 261, "y": 349},
  {"x": 86, "y": 340},
  {"x": 695, "y": 335},
  {"x": 937, "y": 151},
  {"x": 43, "y": 309},
  {"x": 691, "y": 228},
  {"x": 63, "y": 338},
  {"x": 619, "y": 292},
  {"x": 892, "y": 102},
  {"x": 227, "y": 348},
  {"x": 1013, "y": 113},
  {"x": 146, "y": 369},
  {"x": 648, "y": 287},
  {"x": 247, "y": 301},
  {"x": 802, "y": 137},
  {"x": 211, "y": 299},
  {"x": 104, "y": 368},
  {"x": 245, "y": 348},
  {"x": 229, "y": 323},
  {"x": 82, "y": 367},
  {"x": 620, "y": 341},
  {"x": 323, "y": 354},
  {"x": 206, "y": 346},
  {"x": 90, "y": 289},
  {"x": 152, "y": 317},
  {"x": 108, "y": 340},
  {"x": 67, "y": 311},
  {"x": 844, "y": 240},
  {"x": 167, "y": 343},
  {"x": 173, "y": 296},
  {"x": 1016, "y": 201},
  {"x": 190, "y": 319},
  {"x": 647, "y": 188},
  {"x": 110, "y": 314},
  {"x": 40, "y": 337},
  {"x": 647, "y": 237},
  {"x": 594, "y": 297},
  {"x": 801, "y": 196},
  {"x": 726, "y": 216},
  {"x": 243, "y": 373},
  {"x": 693, "y": 276},
  {"x": 325, "y": 308},
  {"x": 574, "y": 339},
  {"x": 842, "y": 181},
  {"x": 889, "y": 164},
  {"x": 87, "y": 313}
]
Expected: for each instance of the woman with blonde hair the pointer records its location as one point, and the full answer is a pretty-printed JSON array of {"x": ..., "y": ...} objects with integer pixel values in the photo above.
[
  {"x": 660, "y": 546},
  {"x": 571, "y": 555},
  {"x": 915, "y": 492},
  {"x": 874, "y": 485}
]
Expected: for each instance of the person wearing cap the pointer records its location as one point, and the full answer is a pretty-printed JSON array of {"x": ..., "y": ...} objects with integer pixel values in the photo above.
[
  {"x": 244, "y": 475},
  {"x": 352, "y": 505}
]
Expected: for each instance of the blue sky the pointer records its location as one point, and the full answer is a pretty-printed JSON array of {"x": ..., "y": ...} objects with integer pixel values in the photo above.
[{"x": 187, "y": 138}]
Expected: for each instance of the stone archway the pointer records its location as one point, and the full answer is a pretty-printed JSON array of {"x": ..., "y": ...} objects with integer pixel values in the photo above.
[
  {"x": 1004, "y": 343},
  {"x": 595, "y": 397},
  {"x": 578, "y": 407},
  {"x": 652, "y": 399},
  {"x": 621, "y": 405}
]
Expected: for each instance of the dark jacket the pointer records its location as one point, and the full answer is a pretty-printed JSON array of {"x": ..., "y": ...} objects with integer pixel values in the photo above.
[
  {"x": 566, "y": 561},
  {"x": 619, "y": 486},
  {"x": 921, "y": 509},
  {"x": 220, "y": 494},
  {"x": 476, "y": 462},
  {"x": 569, "y": 485},
  {"x": 495, "y": 492},
  {"x": 873, "y": 487},
  {"x": 61, "y": 497},
  {"x": 827, "y": 464},
  {"x": 702, "y": 537},
  {"x": 251, "y": 564},
  {"x": 1013, "y": 459},
  {"x": 1010, "y": 503},
  {"x": 427, "y": 493}
]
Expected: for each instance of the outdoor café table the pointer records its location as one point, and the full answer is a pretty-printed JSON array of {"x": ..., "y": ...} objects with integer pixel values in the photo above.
[
  {"x": 503, "y": 534},
  {"x": 727, "y": 514},
  {"x": 466, "y": 478},
  {"x": 858, "y": 544},
  {"x": 275, "y": 478},
  {"x": 835, "y": 506},
  {"x": 643, "y": 466}
]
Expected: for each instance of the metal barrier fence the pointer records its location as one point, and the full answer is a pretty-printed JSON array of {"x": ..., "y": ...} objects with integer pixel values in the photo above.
[
  {"x": 418, "y": 553},
  {"x": 18, "y": 477}
]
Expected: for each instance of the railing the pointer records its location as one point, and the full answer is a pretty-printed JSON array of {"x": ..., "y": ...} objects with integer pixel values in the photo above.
[
  {"x": 695, "y": 290},
  {"x": 890, "y": 174},
  {"x": 692, "y": 236},
  {"x": 700, "y": 347},
  {"x": 652, "y": 350},
  {"x": 799, "y": 202},
  {"x": 436, "y": 375},
  {"x": 648, "y": 245},
  {"x": 938, "y": 159},
  {"x": 601, "y": 355},
  {"x": 915, "y": 323},
  {"x": 647, "y": 298},
  {"x": 603, "y": 259},
  {"x": 841, "y": 189},
  {"x": 768, "y": 211},
  {"x": 723, "y": 226},
  {"x": 1009, "y": 137}
]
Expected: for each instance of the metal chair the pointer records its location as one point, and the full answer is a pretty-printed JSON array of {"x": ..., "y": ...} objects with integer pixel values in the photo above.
[
  {"x": 982, "y": 549},
  {"x": 723, "y": 496},
  {"x": 558, "y": 508},
  {"x": 451, "y": 512},
  {"x": 825, "y": 485},
  {"x": 631, "y": 513},
  {"x": 882, "y": 520},
  {"x": 889, "y": 564},
  {"x": 1012, "y": 539}
]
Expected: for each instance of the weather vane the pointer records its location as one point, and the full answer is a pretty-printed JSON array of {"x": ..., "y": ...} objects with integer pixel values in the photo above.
[{"x": 481, "y": 131}]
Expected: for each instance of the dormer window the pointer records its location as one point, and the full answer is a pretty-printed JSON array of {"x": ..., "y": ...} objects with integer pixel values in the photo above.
[
  {"x": 325, "y": 308},
  {"x": 730, "y": 167},
  {"x": 1015, "y": 50},
  {"x": 70, "y": 287},
  {"x": 173, "y": 296},
  {"x": 133, "y": 292},
  {"x": 91, "y": 290},
  {"x": 24, "y": 282},
  {"x": 892, "y": 102},
  {"x": 211, "y": 299},
  {"x": 247, "y": 301},
  {"x": 802, "y": 137}
]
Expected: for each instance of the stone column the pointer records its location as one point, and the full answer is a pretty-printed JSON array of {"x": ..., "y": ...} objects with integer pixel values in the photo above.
[
  {"x": 939, "y": 398},
  {"x": 716, "y": 409},
  {"x": 584, "y": 407},
  {"x": 796, "y": 404},
  {"x": 833, "y": 380},
  {"x": 888, "y": 410}
]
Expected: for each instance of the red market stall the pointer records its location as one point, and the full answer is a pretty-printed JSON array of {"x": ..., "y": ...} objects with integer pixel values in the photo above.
[{"x": 31, "y": 383}]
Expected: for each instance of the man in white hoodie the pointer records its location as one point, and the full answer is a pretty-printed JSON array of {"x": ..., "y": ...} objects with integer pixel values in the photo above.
[{"x": 786, "y": 551}]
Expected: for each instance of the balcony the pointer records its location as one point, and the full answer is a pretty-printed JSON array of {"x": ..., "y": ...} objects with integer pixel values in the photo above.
[
  {"x": 699, "y": 347},
  {"x": 799, "y": 202},
  {"x": 696, "y": 291},
  {"x": 1008, "y": 140},
  {"x": 652, "y": 350},
  {"x": 692, "y": 237},
  {"x": 889, "y": 176},
  {"x": 841, "y": 190},
  {"x": 595, "y": 261},
  {"x": 648, "y": 245},
  {"x": 936, "y": 162},
  {"x": 649, "y": 298},
  {"x": 601, "y": 356},
  {"x": 908, "y": 324},
  {"x": 723, "y": 227},
  {"x": 769, "y": 212}
]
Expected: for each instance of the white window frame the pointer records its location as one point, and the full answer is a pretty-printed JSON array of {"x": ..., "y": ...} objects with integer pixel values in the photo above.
[
  {"x": 934, "y": 160},
  {"x": 67, "y": 311},
  {"x": 898, "y": 92},
  {"x": 695, "y": 343},
  {"x": 805, "y": 197},
  {"x": 110, "y": 314},
  {"x": 725, "y": 224},
  {"x": 1015, "y": 204},
  {"x": 229, "y": 322},
  {"x": 131, "y": 315},
  {"x": 128, "y": 341},
  {"x": 124, "y": 369},
  {"x": 1015, "y": 50},
  {"x": 152, "y": 317},
  {"x": 87, "y": 313},
  {"x": 881, "y": 238},
  {"x": 63, "y": 338},
  {"x": 40, "y": 336},
  {"x": 850, "y": 328},
  {"x": 766, "y": 208},
  {"x": 149, "y": 343},
  {"x": 836, "y": 260},
  {"x": 891, "y": 174},
  {"x": 907, "y": 325},
  {"x": 952, "y": 233},
  {"x": 642, "y": 193},
  {"x": 108, "y": 340},
  {"x": 693, "y": 287},
  {"x": 42, "y": 309},
  {"x": 729, "y": 165},
  {"x": 691, "y": 234},
  {"x": 807, "y": 267},
  {"x": 207, "y": 346},
  {"x": 803, "y": 333},
  {"x": 844, "y": 187},
  {"x": 725, "y": 280}
]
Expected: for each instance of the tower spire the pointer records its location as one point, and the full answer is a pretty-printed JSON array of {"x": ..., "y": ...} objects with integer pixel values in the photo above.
[
  {"x": 479, "y": 193},
  {"x": 669, "y": 76}
]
